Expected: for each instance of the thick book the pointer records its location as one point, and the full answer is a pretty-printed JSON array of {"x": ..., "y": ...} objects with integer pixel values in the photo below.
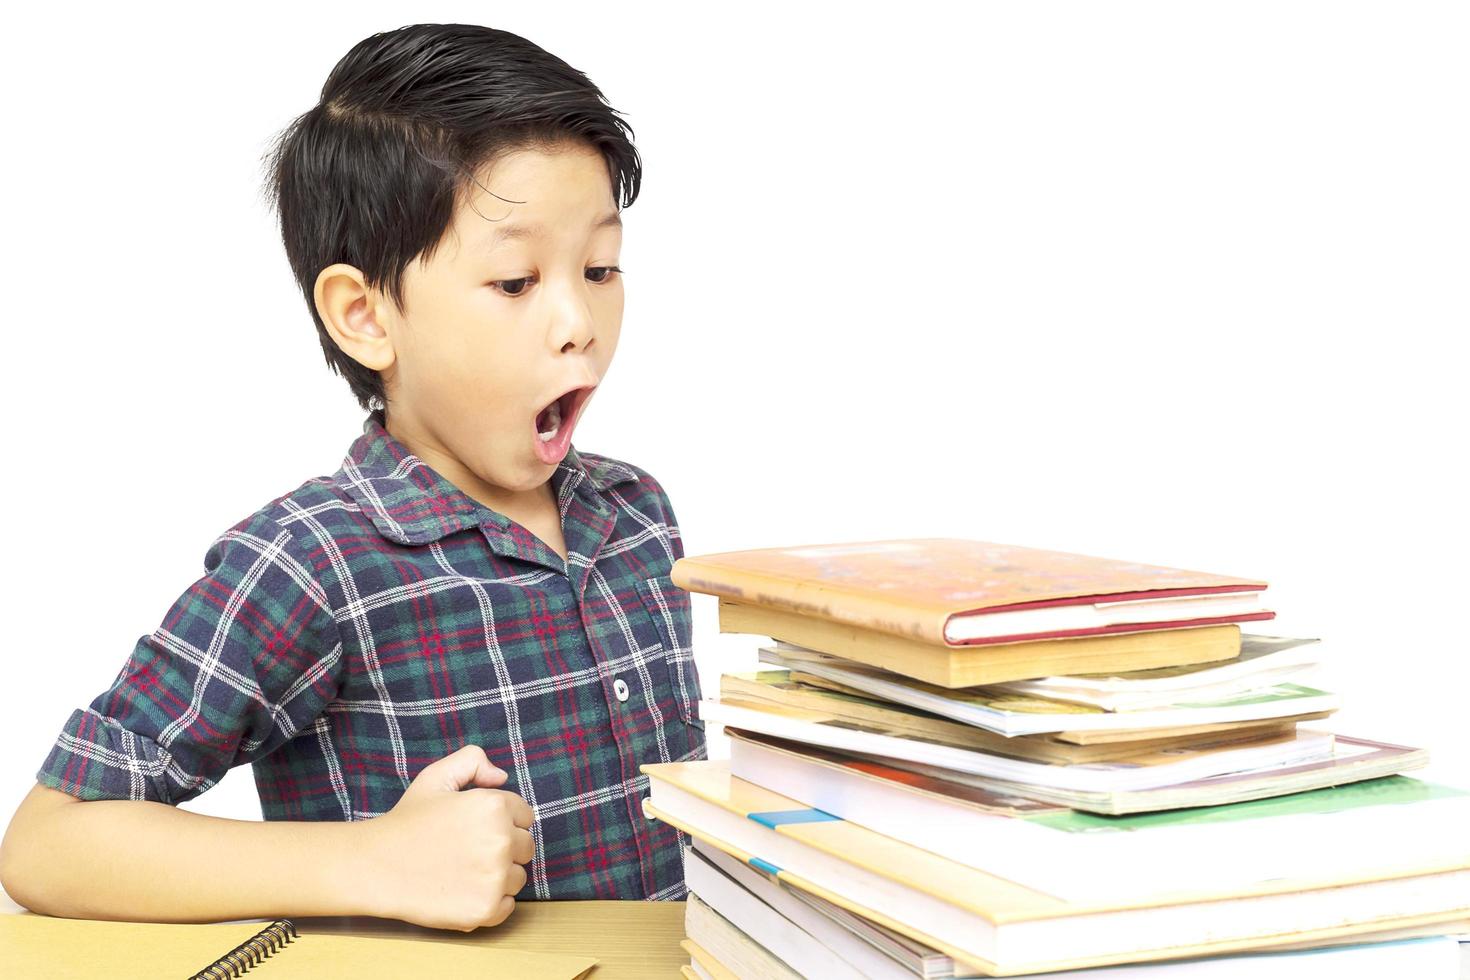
[
  {"x": 997, "y": 925},
  {"x": 813, "y": 936},
  {"x": 1077, "y": 855},
  {"x": 755, "y": 905},
  {"x": 958, "y": 591},
  {"x": 725, "y": 951},
  {"x": 788, "y": 941},
  {"x": 966, "y": 665}
]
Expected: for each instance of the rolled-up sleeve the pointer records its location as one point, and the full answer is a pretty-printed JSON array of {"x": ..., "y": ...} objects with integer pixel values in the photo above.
[{"x": 245, "y": 658}]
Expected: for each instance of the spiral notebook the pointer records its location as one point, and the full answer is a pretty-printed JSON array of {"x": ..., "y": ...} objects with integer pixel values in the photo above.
[{"x": 61, "y": 949}]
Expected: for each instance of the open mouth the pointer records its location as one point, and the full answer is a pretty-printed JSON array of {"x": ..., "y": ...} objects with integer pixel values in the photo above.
[{"x": 554, "y": 423}]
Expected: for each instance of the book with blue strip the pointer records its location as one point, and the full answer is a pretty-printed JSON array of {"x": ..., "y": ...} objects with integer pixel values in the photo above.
[
  {"x": 743, "y": 923},
  {"x": 1077, "y": 855},
  {"x": 1003, "y": 928}
]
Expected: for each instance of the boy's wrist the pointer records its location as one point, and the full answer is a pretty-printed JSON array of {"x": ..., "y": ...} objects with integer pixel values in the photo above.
[{"x": 359, "y": 871}]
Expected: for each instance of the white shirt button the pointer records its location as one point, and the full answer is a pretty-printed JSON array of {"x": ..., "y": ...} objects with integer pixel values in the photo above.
[{"x": 620, "y": 689}]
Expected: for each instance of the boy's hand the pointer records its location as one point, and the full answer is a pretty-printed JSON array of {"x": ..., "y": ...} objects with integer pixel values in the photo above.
[{"x": 451, "y": 857}]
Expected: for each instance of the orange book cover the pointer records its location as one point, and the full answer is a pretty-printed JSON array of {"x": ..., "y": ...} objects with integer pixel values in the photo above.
[{"x": 912, "y": 587}]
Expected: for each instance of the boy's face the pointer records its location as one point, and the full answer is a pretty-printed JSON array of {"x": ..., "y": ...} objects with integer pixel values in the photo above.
[{"x": 516, "y": 309}]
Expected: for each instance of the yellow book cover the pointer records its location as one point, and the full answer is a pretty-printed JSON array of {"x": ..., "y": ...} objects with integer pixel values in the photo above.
[{"x": 991, "y": 663}]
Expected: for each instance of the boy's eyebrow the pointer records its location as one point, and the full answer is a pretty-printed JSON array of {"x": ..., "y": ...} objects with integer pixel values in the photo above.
[{"x": 508, "y": 232}]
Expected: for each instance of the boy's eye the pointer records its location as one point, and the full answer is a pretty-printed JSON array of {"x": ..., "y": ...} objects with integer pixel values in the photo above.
[
  {"x": 512, "y": 287},
  {"x": 517, "y": 287},
  {"x": 606, "y": 270}
]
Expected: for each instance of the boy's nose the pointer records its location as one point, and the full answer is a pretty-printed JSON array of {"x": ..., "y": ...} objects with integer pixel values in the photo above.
[
  {"x": 578, "y": 336},
  {"x": 574, "y": 330},
  {"x": 573, "y": 326}
]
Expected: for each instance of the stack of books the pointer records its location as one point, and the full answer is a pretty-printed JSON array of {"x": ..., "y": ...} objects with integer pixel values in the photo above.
[{"x": 976, "y": 759}]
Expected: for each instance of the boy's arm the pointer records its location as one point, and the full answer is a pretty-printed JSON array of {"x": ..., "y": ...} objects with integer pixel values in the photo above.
[
  {"x": 449, "y": 855},
  {"x": 143, "y": 861},
  {"x": 246, "y": 657}
]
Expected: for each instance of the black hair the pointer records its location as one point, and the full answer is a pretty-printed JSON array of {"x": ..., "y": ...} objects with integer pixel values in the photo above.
[{"x": 371, "y": 174}]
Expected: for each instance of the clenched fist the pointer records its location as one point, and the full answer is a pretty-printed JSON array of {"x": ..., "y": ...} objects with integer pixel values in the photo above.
[{"x": 450, "y": 853}]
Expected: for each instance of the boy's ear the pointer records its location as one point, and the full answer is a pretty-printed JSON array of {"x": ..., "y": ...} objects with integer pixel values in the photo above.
[{"x": 355, "y": 315}]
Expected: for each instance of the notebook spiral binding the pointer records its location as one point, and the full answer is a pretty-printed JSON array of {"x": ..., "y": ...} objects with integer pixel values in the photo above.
[{"x": 251, "y": 952}]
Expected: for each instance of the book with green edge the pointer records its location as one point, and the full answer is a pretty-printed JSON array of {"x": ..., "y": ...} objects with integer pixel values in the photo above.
[{"x": 1010, "y": 929}]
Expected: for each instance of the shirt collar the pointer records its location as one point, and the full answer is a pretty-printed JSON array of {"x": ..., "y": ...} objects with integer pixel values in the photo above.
[{"x": 410, "y": 502}]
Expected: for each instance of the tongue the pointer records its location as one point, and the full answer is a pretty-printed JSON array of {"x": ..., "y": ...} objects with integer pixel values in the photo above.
[
  {"x": 550, "y": 418},
  {"x": 551, "y": 448}
]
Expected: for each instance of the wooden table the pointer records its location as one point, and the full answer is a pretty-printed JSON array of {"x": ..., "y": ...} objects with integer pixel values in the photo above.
[{"x": 630, "y": 940}]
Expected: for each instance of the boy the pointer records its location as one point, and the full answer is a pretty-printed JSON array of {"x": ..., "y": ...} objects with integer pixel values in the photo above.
[{"x": 446, "y": 661}]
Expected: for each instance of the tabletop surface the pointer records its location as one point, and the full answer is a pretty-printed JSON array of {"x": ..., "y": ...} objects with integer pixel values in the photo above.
[{"x": 630, "y": 940}]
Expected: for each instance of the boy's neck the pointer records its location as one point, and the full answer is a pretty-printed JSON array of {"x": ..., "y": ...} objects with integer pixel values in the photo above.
[{"x": 526, "y": 507}]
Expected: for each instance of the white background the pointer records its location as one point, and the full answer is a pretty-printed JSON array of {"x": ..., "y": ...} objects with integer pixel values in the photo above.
[{"x": 1176, "y": 283}]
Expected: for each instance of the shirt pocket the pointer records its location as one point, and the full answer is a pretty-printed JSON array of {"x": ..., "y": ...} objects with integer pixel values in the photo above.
[{"x": 668, "y": 605}]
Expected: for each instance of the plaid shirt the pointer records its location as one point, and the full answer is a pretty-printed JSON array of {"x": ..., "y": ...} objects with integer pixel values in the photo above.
[{"x": 358, "y": 628}]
